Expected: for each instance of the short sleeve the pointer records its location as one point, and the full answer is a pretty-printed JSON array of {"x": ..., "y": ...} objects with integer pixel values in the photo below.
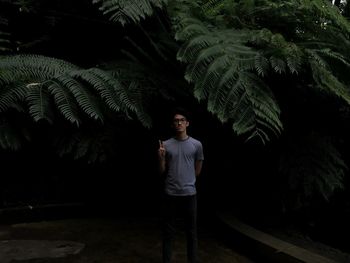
[{"x": 199, "y": 153}]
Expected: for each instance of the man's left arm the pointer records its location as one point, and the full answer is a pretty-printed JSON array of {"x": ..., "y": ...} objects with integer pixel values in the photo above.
[
  {"x": 199, "y": 159},
  {"x": 198, "y": 167}
]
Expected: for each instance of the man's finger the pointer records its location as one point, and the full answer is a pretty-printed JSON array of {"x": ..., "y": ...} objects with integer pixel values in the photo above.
[{"x": 160, "y": 143}]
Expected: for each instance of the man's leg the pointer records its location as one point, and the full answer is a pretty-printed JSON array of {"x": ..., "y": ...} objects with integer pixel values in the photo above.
[
  {"x": 168, "y": 226},
  {"x": 191, "y": 228}
]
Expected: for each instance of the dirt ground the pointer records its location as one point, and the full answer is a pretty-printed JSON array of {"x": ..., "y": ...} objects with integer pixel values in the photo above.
[{"x": 101, "y": 240}]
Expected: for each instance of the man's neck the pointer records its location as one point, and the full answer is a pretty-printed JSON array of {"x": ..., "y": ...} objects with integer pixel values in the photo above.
[{"x": 181, "y": 136}]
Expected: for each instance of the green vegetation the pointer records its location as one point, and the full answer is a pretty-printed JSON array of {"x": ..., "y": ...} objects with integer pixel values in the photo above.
[{"x": 89, "y": 71}]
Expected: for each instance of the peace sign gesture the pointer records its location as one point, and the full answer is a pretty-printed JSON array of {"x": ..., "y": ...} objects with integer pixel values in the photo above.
[{"x": 161, "y": 150}]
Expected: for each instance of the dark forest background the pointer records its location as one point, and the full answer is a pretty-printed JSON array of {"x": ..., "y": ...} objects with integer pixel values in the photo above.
[{"x": 86, "y": 88}]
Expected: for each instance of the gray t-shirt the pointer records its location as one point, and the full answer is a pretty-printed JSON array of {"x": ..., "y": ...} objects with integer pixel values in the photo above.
[{"x": 181, "y": 156}]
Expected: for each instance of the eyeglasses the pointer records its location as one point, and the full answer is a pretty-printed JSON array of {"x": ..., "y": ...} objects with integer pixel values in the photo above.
[{"x": 177, "y": 121}]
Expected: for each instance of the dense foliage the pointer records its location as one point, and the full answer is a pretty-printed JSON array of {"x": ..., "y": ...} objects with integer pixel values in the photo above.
[{"x": 275, "y": 71}]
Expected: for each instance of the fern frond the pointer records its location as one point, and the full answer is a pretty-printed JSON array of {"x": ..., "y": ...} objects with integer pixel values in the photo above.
[
  {"x": 82, "y": 147},
  {"x": 142, "y": 84},
  {"x": 315, "y": 57},
  {"x": 26, "y": 77},
  {"x": 189, "y": 28},
  {"x": 9, "y": 137},
  {"x": 117, "y": 95},
  {"x": 222, "y": 67},
  {"x": 334, "y": 55},
  {"x": 10, "y": 95},
  {"x": 5, "y": 43},
  {"x": 34, "y": 66},
  {"x": 93, "y": 145},
  {"x": 76, "y": 144},
  {"x": 246, "y": 100},
  {"x": 190, "y": 50},
  {"x": 106, "y": 85},
  {"x": 328, "y": 83},
  {"x": 39, "y": 102},
  {"x": 211, "y": 4},
  {"x": 329, "y": 12},
  {"x": 265, "y": 112},
  {"x": 294, "y": 58},
  {"x": 278, "y": 64},
  {"x": 73, "y": 89},
  {"x": 281, "y": 53},
  {"x": 65, "y": 102},
  {"x": 202, "y": 50},
  {"x": 207, "y": 80},
  {"x": 138, "y": 94},
  {"x": 87, "y": 101},
  {"x": 312, "y": 165},
  {"x": 127, "y": 11},
  {"x": 261, "y": 64}
]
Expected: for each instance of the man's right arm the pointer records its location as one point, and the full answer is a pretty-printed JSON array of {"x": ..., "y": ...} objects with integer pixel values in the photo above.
[
  {"x": 162, "y": 165},
  {"x": 161, "y": 158}
]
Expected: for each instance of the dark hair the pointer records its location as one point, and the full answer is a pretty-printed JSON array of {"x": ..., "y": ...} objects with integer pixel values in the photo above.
[{"x": 182, "y": 111}]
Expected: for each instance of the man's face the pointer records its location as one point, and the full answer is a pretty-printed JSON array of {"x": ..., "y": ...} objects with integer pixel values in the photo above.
[{"x": 180, "y": 123}]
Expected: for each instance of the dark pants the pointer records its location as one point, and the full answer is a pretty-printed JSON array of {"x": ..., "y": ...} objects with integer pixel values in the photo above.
[{"x": 184, "y": 207}]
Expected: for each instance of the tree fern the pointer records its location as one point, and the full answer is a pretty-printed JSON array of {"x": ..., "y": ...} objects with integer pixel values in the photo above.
[
  {"x": 216, "y": 51},
  {"x": 225, "y": 71},
  {"x": 241, "y": 54},
  {"x": 27, "y": 76},
  {"x": 43, "y": 80},
  {"x": 49, "y": 89}
]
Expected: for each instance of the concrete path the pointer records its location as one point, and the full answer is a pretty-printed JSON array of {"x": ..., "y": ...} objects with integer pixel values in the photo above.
[
  {"x": 94, "y": 240},
  {"x": 270, "y": 248}
]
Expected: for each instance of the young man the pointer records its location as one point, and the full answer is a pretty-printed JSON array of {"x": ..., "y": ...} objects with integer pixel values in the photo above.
[{"x": 180, "y": 160}]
